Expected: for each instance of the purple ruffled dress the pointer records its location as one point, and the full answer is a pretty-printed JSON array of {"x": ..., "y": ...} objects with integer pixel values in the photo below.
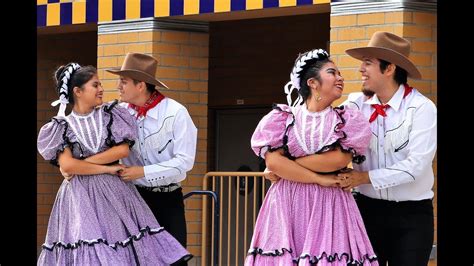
[
  {"x": 100, "y": 219},
  {"x": 308, "y": 224}
]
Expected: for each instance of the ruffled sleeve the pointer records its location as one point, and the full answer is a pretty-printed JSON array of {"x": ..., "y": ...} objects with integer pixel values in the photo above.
[
  {"x": 356, "y": 132},
  {"x": 52, "y": 139},
  {"x": 270, "y": 133},
  {"x": 121, "y": 126}
]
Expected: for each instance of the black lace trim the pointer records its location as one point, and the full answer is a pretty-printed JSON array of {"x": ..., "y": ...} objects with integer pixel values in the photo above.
[
  {"x": 123, "y": 243},
  {"x": 185, "y": 258},
  {"x": 284, "y": 146},
  {"x": 130, "y": 142},
  {"x": 313, "y": 259},
  {"x": 67, "y": 142},
  {"x": 272, "y": 253},
  {"x": 356, "y": 158},
  {"x": 331, "y": 258},
  {"x": 109, "y": 141}
]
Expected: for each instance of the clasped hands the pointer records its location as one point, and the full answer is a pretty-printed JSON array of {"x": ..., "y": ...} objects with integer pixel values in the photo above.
[
  {"x": 346, "y": 180},
  {"x": 127, "y": 173}
]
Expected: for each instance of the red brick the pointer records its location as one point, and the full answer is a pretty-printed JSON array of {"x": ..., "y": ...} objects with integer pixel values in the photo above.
[
  {"x": 44, "y": 209},
  {"x": 193, "y": 216},
  {"x": 188, "y": 97},
  {"x": 193, "y": 204},
  {"x": 195, "y": 181},
  {"x": 199, "y": 39},
  {"x": 198, "y": 86},
  {"x": 45, "y": 188},
  {"x": 194, "y": 227},
  {"x": 190, "y": 74},
  {"x": 198, "y": 110},
  {"x": 199, "y": 63},
  {"x": 177, "y": 84}
]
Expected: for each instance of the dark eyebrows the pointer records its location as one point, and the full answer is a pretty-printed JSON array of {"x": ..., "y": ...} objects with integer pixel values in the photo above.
[
  {"x": 330, "y": 70},
  {"x": 333, "y": 70}
]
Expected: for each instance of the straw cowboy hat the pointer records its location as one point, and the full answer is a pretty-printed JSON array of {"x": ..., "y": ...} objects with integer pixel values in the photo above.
[
  {"x": 140, "y": 67},
  {"x": 389, "y": 47}
]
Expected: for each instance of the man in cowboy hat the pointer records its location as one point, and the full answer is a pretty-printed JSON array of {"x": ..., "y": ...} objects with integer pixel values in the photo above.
[
  {"x": 396, "y": 179},
  {"x": 166, "y": 146}
]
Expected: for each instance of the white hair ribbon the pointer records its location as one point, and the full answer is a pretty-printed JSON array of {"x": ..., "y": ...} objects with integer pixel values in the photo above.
[{"x": 63, "y": 90}]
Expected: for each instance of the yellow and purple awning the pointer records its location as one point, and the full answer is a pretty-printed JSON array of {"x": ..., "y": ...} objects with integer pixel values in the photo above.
[{"x": 65, "y": 12}]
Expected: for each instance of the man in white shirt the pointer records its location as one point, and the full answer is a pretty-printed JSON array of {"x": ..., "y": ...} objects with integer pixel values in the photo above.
[
  {"x": 395, "y": 182},
  {"x": 166, "y": 146}
]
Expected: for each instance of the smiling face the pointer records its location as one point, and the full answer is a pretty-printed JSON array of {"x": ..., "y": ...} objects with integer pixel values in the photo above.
[
  {"x": 330, "y": 84},
  {"x": 91, "y": 93},
  {"x": 373, "y": 79},
  {"x": 128, "y": 90}
]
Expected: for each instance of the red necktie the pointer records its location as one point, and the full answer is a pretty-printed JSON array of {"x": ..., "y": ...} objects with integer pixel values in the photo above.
[
  {"x": 380, "y": 108},
  {"x": 155, "y": 98}
]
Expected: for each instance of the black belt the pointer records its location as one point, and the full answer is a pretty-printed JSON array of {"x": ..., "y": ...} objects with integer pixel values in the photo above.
[
  {"x": 168, "y": 188},
  {"x": 359, "y": 197}
]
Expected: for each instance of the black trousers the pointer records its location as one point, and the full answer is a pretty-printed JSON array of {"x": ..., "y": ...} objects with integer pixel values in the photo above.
[
  {"x": 401, "y": 233},
  {"x": 168, "y": 208}
]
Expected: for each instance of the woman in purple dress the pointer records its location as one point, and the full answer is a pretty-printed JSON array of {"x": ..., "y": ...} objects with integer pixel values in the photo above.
[
  {"x": 97, "y": 219},
  {"x": 306, "y": 218}
]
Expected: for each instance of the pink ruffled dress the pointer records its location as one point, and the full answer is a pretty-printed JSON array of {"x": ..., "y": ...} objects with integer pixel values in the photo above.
[{"x": 308, "y": 224}]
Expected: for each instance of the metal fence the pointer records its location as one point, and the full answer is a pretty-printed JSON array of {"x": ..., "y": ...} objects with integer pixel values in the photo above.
[{"x": 227, "y": 226}]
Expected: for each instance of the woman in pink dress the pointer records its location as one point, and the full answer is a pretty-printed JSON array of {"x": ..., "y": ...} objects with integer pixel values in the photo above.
[{"x": 306, "y": 218}]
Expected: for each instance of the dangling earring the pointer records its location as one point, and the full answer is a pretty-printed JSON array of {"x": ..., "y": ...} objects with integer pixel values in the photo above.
[{"x": 318, "y": 97}]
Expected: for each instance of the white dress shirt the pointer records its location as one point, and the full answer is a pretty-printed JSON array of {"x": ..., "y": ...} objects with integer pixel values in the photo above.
[
  {"x": 402, "y": 148},
  {"x": 166, "y": 144}
]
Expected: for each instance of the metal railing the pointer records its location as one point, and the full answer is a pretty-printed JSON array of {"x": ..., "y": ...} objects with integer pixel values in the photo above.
[
  {"x": 216, "y": 213},
  {"x": 226, "y": 236}
]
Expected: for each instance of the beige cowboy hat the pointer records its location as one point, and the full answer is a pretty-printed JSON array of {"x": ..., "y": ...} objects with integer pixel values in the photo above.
[
  {"x": 389, "y": 47},
  {"x": 140, "y": 67}
]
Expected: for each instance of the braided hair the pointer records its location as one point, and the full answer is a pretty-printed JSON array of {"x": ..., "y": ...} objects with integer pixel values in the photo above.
[
  {"x": 72, "y": 75},
  {"x": 67, "y": 78},
  {"x": 307, "y": 65}
]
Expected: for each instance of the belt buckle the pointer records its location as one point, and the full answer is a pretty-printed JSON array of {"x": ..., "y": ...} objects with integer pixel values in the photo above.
[
  {"x": 158, "y": 189},
  {"x": 168, "y": 188}
]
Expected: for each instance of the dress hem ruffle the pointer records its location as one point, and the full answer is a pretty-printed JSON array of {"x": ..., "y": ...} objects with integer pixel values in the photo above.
[
  {"x": 313, "y": 259},
  {"x": 92, "y": 242}
]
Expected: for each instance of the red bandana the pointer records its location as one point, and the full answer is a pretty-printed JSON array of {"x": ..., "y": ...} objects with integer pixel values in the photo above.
[
  {"x": 154, "y": 99},
  {"x": 380, "y": 108}
]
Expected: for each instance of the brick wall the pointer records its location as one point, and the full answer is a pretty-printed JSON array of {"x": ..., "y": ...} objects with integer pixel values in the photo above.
[
  {"x": 183, "y": 66},
  {"x": 53, "y": 51},
  {"x": 355, "y": 30},
  {"x": 419, "y": 28}
]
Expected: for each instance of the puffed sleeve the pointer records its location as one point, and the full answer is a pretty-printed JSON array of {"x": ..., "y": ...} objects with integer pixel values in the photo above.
[
  {"x": 270, "y": 133},
  {"x": 355, "y": 129},
  {"x": 121, "y": 125},
  {"x": 52, "y": 139}
]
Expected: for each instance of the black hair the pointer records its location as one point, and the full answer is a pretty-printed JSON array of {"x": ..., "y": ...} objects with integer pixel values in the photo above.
[
  {"x": 78, "y": 78},
  {"x": 310, "y": 70},
  {"x": 149, "y": 87},
  {"x": 401, "y": 74}
]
